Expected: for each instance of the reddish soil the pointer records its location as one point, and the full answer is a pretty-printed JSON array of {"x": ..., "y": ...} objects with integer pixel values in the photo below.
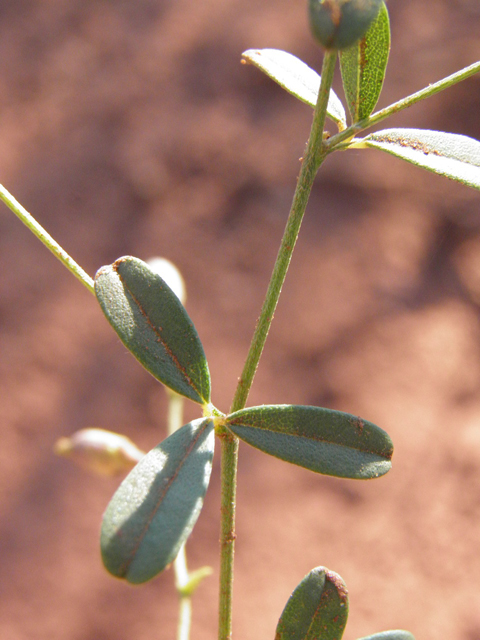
[{"x": 131, "y": 128}]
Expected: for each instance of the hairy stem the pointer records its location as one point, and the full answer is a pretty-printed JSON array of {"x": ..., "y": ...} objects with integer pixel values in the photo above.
[
  {"x": 227, "y": 532},
  {"x": 377, "y": 117},
  {"x": 46, "y": 238},
  {"x": 313, "y": 158}
]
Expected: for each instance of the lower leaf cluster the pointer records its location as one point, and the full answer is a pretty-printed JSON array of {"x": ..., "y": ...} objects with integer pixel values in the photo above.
[{"x": 155, "y": 508}]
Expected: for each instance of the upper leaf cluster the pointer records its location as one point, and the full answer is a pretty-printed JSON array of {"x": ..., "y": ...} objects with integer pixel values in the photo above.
[{"x": 363, "y": 65}]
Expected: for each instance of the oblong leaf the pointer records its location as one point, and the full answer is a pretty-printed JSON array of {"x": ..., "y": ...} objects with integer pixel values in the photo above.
[
  {"x": 363, "y": 67},
  {"x": 448, "y": 154},
  {"x": 394, "y": 634},
  {"x": 325, "y": 441},
  {"x": 156, "y": 506},
  {"x": 152, "y": 323},
  {"x": 296, "y": 77},
  {"x": 318, "y": 608}
]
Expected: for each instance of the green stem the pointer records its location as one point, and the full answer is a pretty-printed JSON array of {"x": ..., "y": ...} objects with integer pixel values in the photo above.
[
  {"x": 313, "y": 158},
  {"x": 377, "y": 117},
  {"x": 227, "y": 532},
  {"x": 46, "y": 238}
]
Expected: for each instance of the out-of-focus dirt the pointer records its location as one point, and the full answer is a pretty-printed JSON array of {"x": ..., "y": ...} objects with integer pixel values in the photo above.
[{"x": 131, "y": 128}]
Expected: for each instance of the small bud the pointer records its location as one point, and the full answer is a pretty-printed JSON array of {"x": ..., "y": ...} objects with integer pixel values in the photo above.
[
  {"x": 194, "y": 580},
  {"x": 102, "y": 452},
  {"x": 337, "y": 24}
]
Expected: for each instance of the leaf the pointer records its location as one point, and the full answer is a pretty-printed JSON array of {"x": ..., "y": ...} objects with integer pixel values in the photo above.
[
  {"x": 318, "y": 608},
  {"x": 448, "y": 154},
  {"x": 322, "y": 440},
  {"x": 396, "y": 634},
  {"x": 363, "y": 67},
  {"x": 152, "y": 323},
  {"x": 155, "y": 508},
  {"x": 296, "y": 77}
]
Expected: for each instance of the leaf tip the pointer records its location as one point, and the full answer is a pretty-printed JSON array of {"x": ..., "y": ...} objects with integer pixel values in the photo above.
[
  {"x": 247, "y": 55},
  {"x": 337, "y": 581}
]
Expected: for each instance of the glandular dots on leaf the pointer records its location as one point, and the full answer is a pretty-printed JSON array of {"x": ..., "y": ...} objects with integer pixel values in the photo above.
[{"x": 337, "y": 24}]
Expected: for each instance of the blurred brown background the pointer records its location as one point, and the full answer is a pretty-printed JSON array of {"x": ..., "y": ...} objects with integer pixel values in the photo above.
[{"x": 131, "y": 128}]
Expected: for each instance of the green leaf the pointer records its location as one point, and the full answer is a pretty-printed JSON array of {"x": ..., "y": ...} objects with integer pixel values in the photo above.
[
  {"x": 330, "y": 442},
  {"x": 318, "y": 608},
  {"x": 152, "y": 323},
  {"x": 296, "y": 77},
  {"x": 363, "y": 67},
  {"x": 396, "y": 634},
  {"x": 448, "y": 154},
  {"x": 156, "y": 506}
]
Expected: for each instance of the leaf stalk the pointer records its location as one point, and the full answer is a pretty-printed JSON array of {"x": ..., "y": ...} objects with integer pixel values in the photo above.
[
  {"x": 30, "y": 222},
  {"x": 398, "y": 106}
]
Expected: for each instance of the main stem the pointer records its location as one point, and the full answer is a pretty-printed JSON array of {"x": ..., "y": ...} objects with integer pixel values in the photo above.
[{"x": 313, "y": 158}]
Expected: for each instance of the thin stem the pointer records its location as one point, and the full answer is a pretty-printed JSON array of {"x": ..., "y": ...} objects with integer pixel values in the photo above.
[
  {"x": 175, "y": 411},
  {"x": 227, "y": 532},
  {"x": 377, "y": 117},
  {"x": 184, "y": 618},
  {"x": 181, "y": 580},
  {"x": 46, "y": 238},
  {"x": 313, "y": 158},
  {"x": 182, "y": 577}
]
